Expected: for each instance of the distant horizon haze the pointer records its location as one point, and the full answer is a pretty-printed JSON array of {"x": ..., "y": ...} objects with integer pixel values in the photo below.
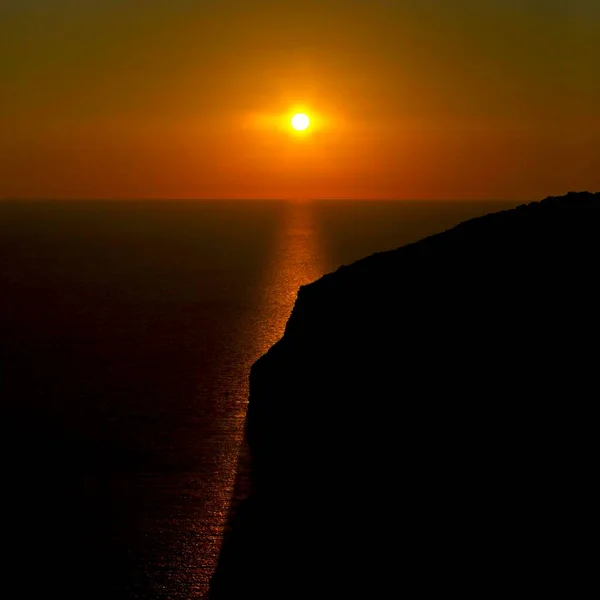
[{"x": 358, "y": 200}]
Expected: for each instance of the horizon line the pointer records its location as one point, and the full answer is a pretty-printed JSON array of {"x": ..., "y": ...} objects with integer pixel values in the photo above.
[{"x": 267, "y": 199}]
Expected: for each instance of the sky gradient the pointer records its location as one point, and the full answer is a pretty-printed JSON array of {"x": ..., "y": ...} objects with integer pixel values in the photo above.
[{"x": 431, "y": 99}]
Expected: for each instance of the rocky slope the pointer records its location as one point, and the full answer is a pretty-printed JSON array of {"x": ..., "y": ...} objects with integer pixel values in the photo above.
[{"x": 425, "y": 424}]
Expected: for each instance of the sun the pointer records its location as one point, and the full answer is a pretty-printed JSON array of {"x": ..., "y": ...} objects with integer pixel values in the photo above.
[{"x": 300, "y": 122}]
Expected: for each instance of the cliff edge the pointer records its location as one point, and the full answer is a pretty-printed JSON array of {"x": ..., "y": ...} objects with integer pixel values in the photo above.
[{"x": 425, "y": 423}]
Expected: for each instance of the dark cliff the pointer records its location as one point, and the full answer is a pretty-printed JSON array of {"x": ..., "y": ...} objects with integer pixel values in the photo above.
[{"x": 425, "y": 424}]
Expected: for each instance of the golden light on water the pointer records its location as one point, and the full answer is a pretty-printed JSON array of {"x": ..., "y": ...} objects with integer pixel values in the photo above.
[{"x": 297, "y": 260}]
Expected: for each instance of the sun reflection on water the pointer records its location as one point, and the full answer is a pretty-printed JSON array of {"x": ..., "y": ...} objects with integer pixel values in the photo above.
[{"x": 296, "y": 259}]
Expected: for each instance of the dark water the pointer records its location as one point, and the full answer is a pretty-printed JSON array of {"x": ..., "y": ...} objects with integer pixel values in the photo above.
[{"x": 126, "y": 334}]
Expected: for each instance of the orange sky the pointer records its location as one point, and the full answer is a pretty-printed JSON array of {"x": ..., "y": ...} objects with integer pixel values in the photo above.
[{"x": 494, "y": 99}]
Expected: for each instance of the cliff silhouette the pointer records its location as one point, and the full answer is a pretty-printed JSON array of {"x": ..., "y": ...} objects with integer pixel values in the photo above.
[{"x": 425, "y": 424}]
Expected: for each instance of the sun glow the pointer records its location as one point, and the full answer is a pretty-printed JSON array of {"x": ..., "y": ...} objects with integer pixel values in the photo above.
[{"x": 300, "y": 122}]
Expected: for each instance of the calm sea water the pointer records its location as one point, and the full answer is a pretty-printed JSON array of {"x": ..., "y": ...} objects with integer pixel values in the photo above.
[{"x": 127, "y": 330}]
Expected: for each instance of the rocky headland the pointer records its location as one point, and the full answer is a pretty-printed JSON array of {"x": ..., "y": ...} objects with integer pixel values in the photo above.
[{"x": 425, "y": 425}]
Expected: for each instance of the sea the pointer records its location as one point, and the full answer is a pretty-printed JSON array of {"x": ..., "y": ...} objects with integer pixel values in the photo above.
[{"x": 127, "y": 332}]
